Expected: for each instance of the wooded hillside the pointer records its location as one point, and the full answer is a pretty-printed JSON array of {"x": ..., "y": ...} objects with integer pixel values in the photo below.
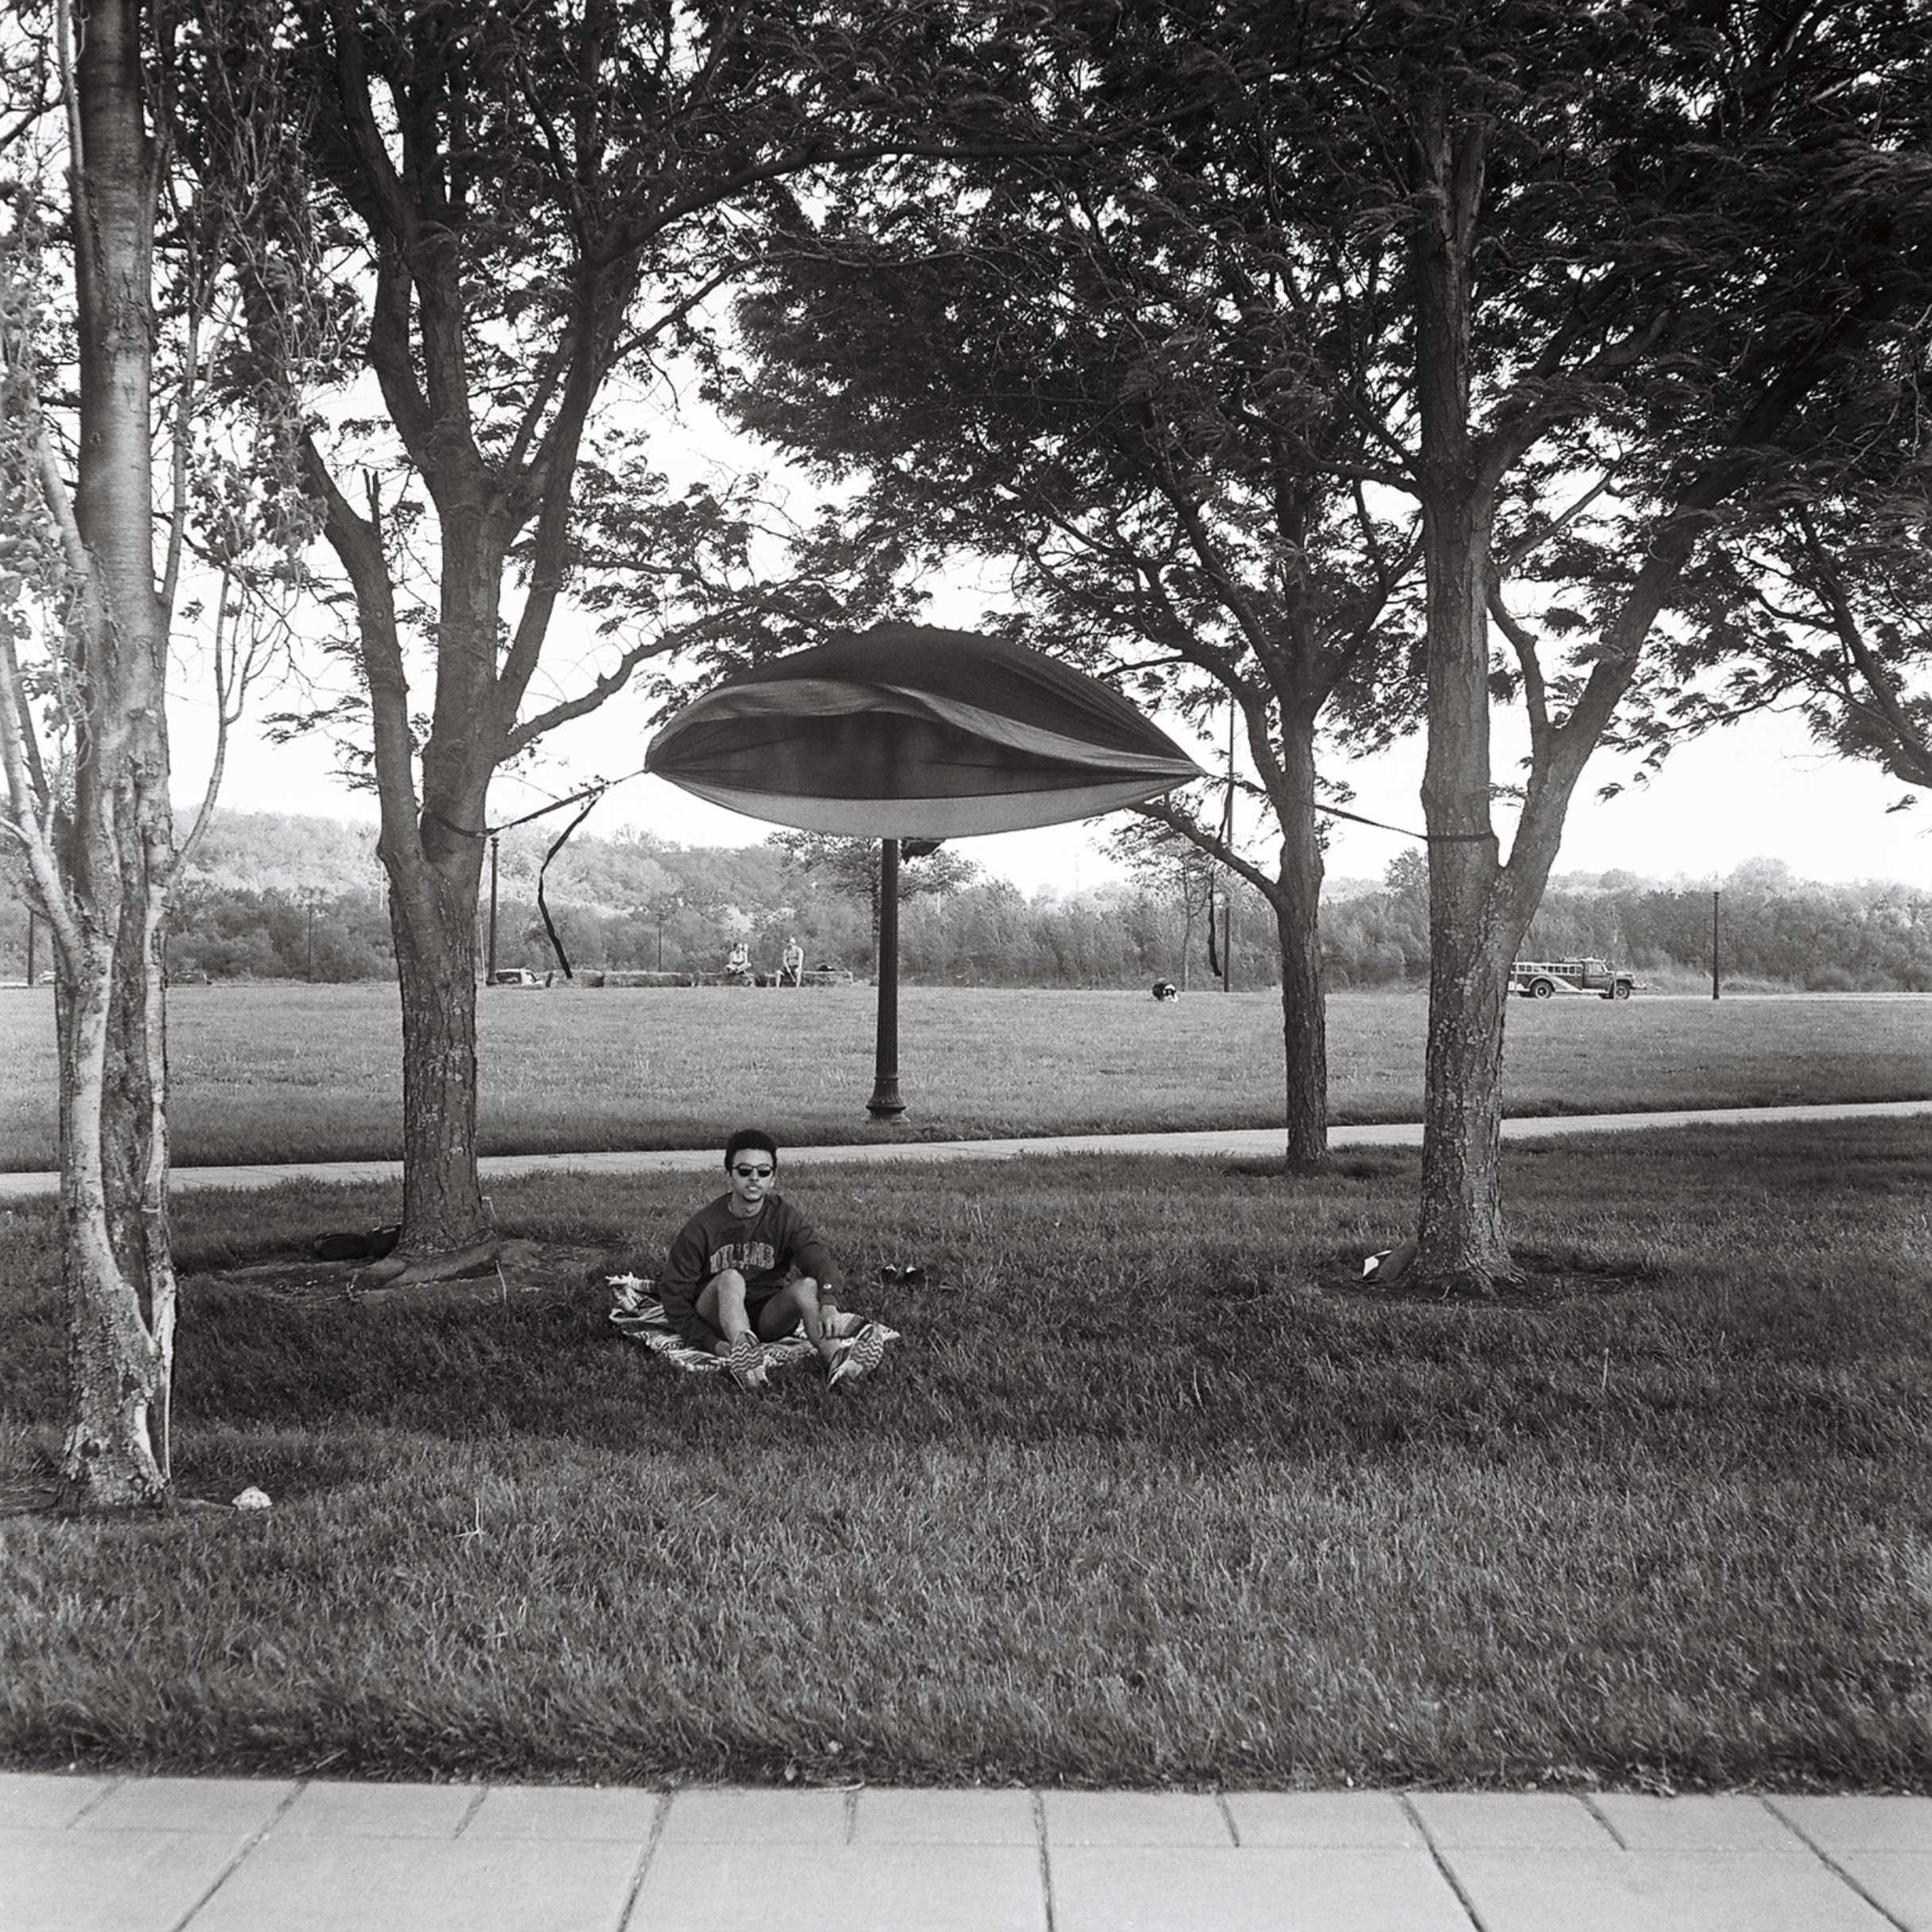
[{"x": 273, "y": 896}]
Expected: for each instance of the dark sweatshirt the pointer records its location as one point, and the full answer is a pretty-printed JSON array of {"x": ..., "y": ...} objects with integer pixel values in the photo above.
[{"x": 765, "y": 1250}]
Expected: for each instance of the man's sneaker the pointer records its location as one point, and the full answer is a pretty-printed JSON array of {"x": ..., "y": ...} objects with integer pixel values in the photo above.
[
  {"x": 746, "y": 1362},
  {"x": 859, "y": 1356}
]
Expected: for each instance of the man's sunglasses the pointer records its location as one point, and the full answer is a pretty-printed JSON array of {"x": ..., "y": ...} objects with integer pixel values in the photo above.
[
  {"x": 753, "y": 1174},
  {"x": 913, "y": 1277}
]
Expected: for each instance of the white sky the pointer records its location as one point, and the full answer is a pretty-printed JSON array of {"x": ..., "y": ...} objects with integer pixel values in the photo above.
[{"x": 1760, "y": 790}]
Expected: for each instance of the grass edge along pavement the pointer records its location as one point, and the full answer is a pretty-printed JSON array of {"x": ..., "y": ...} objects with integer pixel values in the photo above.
[
  {"x": 1152, "y": 1493},
  {"x": 1257, "y": 1144}
]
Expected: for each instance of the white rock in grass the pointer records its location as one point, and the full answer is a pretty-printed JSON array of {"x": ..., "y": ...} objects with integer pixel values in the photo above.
[{"x": 252, "y": 1498}]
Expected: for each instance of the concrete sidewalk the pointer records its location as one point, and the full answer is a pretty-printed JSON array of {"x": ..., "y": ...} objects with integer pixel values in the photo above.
[
  {"x": 101, "y": 1854},
  {"x": 1225, "y": 1143}
]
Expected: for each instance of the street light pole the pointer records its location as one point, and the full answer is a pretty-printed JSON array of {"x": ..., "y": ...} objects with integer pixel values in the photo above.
[
  {"x": 885, "y": 1104},
  {"x": 1713, "y": 943},
  {"x": 489, "y": 973}
]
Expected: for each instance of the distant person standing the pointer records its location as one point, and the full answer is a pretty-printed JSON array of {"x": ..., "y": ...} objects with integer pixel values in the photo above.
[{"x": 792, "y": 967}]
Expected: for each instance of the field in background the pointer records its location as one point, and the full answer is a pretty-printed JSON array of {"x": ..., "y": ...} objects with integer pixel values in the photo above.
[
  {"x": 1151, "y": 1493},
  {"x": 291, "y": 1072}
]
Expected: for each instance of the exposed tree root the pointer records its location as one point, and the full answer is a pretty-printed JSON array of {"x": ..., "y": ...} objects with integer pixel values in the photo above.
[{"x": 405, "y": 1270}]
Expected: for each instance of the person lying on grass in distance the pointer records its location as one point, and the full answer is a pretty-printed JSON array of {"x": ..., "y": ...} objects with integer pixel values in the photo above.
[{"x": 746, "y": 1269}]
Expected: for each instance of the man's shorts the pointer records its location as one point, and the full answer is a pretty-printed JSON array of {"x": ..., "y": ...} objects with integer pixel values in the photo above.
[{"x": 755, "y": 1300}]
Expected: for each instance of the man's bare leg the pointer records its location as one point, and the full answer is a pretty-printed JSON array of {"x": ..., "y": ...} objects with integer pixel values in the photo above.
[
  {"x": 722, "y": 1304},
  {"x": 800, "y": 1301}
]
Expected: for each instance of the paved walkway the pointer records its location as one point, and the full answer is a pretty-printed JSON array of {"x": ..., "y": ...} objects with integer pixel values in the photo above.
[
  {"x": 1227, "y": 1143},
  {"x": 229, "y": 1855}
]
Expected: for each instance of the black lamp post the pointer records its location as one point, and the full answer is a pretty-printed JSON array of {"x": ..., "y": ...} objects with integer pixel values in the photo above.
[
  {"x": 885, "y": 1104},
  {"x": 489, "y": 970}
]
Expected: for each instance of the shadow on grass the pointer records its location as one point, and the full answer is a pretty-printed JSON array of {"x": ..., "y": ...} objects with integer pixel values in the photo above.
[{"x": 1152, "y": 1492}]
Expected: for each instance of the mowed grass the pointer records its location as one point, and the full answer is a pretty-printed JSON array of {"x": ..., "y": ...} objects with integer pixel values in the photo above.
[
  {"x": 1147, "y": 1494},
  {"x": 293, "y": 1072}
]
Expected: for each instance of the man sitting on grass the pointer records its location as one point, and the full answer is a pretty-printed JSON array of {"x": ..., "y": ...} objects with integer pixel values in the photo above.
[{"x": 746, "y": 1269}]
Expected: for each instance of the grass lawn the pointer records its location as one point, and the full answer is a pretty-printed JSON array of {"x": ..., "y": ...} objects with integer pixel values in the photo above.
[
  {"x": 293, "y": 1072},
  {"x": 1150, "y": 1492}
]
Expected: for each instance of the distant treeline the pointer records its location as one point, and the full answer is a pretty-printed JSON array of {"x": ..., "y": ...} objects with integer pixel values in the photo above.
[
  {"x": 274, "y": 897},
  {"x": 1873, "y": 937}
]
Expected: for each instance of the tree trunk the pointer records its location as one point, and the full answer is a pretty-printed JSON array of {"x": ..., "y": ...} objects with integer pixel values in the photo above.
[
  {"x": 116, "y": 853},
  {"x": 1297, "y": 907},
  {"x": 1460, "y": 1241},
  {"x": 432, "y": 917}
]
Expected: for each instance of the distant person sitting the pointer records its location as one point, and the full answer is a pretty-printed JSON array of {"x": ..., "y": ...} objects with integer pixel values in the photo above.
[
  {"x": 747, "y": 1270},
  {"x": 792, "y": 967},
  {"x": 738, "y": 966}
]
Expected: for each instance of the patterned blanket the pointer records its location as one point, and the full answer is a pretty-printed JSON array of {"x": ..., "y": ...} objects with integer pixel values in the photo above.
[{"x": 637, "y": 1313}]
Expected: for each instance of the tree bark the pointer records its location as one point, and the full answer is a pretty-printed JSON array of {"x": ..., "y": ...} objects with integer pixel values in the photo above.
[
  {"x": 435, "y": 868},
  {"x": 1461, "y": 1241},
  {"x": 431, "y": 918},
  {"x": 1461, "y": 1244},
  {"x": 115, "y": 856},
  {"x": 1297, "y": 907}
]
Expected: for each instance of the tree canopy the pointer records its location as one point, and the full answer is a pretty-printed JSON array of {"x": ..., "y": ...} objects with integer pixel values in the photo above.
[
  {"x": 1531, "y": 295},
  {"x": 521, "y": 215}
]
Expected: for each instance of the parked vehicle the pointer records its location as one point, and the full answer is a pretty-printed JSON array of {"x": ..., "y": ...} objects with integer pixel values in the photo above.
[{"x": 1541, "y": 979}]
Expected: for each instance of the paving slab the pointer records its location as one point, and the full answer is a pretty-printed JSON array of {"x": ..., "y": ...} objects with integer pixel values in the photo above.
[
  {"x": 419, "y": 1885},
  {"x": 1133, "y": 1818},
  {"x": 1360, "y": 1821},
  {"x": 1696, "y": 1823},
  {"x": 565, "y": 1811},
  {"x": 729, "y": 1815},
  {"x": 1658, "y": 1891},
  {"x": 378, "y": 1811},
  {"x": 1859, "y": 1824},
  {"x": 894, "y": 1817},
  {"x": 1900, "y": 1883},
  {"x": 47, "y": 1799},
  {"x": 753, "y": 1887},
  {"x": 1509, "y": 1821},
  {"x": 115, "y": 1881},
  {"x": 238, "y": 1807},
  {"x": 1127, "y": 1888}
]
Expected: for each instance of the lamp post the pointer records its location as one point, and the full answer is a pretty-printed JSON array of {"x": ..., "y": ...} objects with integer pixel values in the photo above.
[
  {"x": 885, "y": 1104},
  {"x": 1713, "y": 943},
  {"x": 489, "y": 970}
]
